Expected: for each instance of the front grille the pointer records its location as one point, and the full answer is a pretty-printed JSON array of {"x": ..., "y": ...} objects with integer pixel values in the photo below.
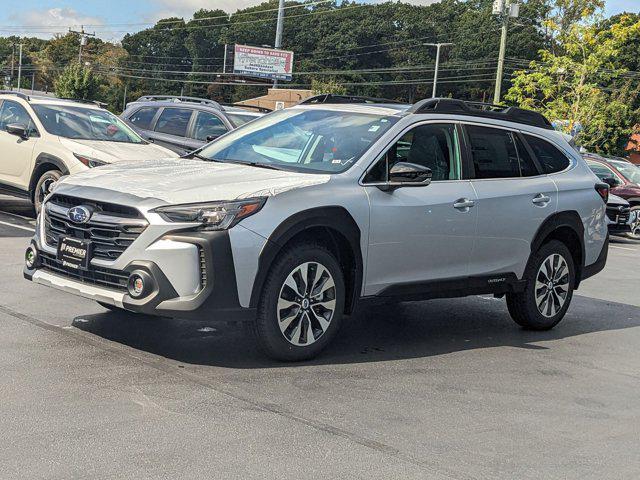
[
  {"x": 98, "y": 276},
  {"x": 618, "y": 215},
  {"x": 111, "y": 229}
]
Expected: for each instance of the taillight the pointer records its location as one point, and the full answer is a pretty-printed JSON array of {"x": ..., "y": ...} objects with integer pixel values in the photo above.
[{"x": 603, "y": 191}]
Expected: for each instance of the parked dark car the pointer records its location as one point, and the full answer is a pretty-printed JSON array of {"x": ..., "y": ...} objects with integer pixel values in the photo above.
[
  {"x": 623, "y": 179},
  {"x": 184, "y": 124},
  {"x": 620, "y": 217}
]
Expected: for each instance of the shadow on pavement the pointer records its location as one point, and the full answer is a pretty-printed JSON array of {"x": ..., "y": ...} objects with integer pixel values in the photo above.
[{"x": 408, "y": 330}]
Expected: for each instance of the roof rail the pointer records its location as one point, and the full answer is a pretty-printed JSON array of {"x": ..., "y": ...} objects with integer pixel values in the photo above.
[
  {"x": 178, "y": 98},
  {"x": 250, "y": 107},
  {"x": 331, "y": 98},
  {"x": 17, "y": 94},
  {"x": 82, "y": 100},
  {"x": 479, "y": 109}
]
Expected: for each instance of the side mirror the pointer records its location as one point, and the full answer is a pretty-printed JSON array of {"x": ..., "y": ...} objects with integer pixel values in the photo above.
[
  {"x": 211, "y": 138},
  {"x": 18, "y": 129},
  {"x": 405, "y": 174},
  {"x": 611, "y": 181}
]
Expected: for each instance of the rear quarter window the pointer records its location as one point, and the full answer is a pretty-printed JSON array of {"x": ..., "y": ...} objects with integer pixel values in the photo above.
[
  {"x": 551, "y": 158},
  {"x": 143, "y": 117}
]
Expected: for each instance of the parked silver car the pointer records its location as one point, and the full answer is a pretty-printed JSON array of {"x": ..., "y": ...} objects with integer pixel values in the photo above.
[{"x": 295, "y": 219}]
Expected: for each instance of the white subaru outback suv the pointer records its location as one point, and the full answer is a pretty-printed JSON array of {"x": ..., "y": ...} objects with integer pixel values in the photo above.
[
  {"x": 293, "y": 220},
  {"x": 43, "y": 138}
]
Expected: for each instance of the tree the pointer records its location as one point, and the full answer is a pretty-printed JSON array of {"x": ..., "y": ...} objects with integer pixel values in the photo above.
[
  {"x": 329, "y": 86},
  {"x": 574, "y": 86},
  {"x": 77, "y": 81}
]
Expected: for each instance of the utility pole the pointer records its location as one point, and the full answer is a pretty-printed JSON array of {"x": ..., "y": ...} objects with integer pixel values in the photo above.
[
  {"x": 83, "y": 40},
  {"x": 279, "y": 29},
  {"x": 124, "y": 97},
  {"x": 19, "y": 66},
  {"x": 13, "y": 55},
  {"x": 504, "y": 9},
  {"x": 224, "y": 60},
  {"x": 435, "y": 73}
]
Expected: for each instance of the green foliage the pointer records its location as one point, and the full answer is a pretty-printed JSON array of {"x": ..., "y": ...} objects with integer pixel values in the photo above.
[
  {"x": 327, "y": 86},
  {"x": 76, "y": 81},
  {"x": 577, "y": 85}
]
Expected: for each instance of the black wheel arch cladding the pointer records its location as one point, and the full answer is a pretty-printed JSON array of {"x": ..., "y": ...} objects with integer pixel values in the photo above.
[{"x": 339, "y": 224}]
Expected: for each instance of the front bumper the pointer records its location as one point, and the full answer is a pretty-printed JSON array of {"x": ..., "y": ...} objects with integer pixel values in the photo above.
[{"x": 193, "y": 277}]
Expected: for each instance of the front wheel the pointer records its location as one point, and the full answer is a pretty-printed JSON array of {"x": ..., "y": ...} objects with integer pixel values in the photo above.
[
  {"x": 550, "y": 277},
  {"x": 301, "y": 306},
  {"x": 43, "y": 187}
]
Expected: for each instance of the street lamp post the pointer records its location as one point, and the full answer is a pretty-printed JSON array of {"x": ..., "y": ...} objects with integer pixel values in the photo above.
[{"x": 435, "y": 73}]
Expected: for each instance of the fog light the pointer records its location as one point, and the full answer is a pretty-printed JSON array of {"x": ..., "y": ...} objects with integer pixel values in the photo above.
[
  {"x": 31, "y": 257},
  {"x": 139, "y": 284}
]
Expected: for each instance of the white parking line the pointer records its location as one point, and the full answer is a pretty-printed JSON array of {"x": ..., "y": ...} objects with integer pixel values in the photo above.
[
  {"x": 17, "y": 226},
  {"x": 624, "y": 248}
]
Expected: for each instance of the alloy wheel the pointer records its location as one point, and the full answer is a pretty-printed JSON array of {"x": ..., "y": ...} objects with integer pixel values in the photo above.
[
  {"x": 306, "y": 304},
  {"x": 552, "y": 285}
]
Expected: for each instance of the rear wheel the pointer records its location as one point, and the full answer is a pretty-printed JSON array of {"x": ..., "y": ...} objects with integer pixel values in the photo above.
[
  {"x": 550, "y": 277},
  {"x": 301, "y": 307},
  {"x": 43, "y": 187}
]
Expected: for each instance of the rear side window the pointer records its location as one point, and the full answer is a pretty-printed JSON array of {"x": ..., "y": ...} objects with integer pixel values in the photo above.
[
  {"x": 142, "y": 118},
  {"x": 551, "y": 159},
  {"x": 528, "y": 167},
  {"x": 208, "y": 125},
  {"x": 174, "y": 121},
  {"x": 493, "y": 152}
]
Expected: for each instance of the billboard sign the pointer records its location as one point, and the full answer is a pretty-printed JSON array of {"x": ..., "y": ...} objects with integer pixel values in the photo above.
[{"x": 263, "y": 62}]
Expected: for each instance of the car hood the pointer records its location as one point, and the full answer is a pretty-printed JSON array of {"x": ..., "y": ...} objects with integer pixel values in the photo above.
[
  {"x": 112, "y": 152},
  {"x": 615, "y": 201},
  {"x": 184, "y": 180}
]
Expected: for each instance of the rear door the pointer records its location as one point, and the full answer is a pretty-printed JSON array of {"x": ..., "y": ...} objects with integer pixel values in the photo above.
[
  {"x": 206, "y": 128},
  {"x": 421, "y": 234},
  {"x": 143, "y": 120},
  {"x": 171, "y": 129},
  {"x": 514, "y": 198}
]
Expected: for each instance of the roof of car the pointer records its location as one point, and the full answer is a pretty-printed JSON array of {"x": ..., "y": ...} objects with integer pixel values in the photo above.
[
  {"x": 49, "y": 100},
  {"x": 371, "y": 108}
]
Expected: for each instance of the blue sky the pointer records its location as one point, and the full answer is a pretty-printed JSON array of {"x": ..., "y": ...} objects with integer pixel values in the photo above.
[{"x": 56, "y": 15}]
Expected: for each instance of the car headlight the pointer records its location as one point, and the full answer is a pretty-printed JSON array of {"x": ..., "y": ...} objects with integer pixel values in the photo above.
[
  {"x": 212, "y": 215},
  {"x": 88, "y": 161}
]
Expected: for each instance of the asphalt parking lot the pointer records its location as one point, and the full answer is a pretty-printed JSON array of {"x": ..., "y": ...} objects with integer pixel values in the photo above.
[{"x": 430, "y": 390}]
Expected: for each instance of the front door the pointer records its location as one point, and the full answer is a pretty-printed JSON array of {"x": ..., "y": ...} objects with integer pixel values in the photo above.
[
  {"x": 423, "y": 233},
  {"x": 16, "y": 154}
]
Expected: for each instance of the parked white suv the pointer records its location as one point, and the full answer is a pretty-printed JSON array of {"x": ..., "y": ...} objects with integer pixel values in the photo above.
[
  {"x": 43, "y": 138},
  {"x": 293, "y": 220}
]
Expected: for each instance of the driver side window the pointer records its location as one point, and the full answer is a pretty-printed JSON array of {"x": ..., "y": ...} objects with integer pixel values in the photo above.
[
  {"x": 434, "y": 146},
  {"x": 14, "y": 113}
]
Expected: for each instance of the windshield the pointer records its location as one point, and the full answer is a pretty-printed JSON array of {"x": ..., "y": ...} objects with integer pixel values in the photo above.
[
  {"x": 315, "y": 141},
  {"x": 85, "y": 124},
  {"x": 239, "y": 119},
  {"x": 629, "y": 170}
]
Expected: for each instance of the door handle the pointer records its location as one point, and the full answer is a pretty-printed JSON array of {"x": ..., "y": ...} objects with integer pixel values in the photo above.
[
  {"x": 541, "y": 199},
  {"x": 463, "y": 204}
]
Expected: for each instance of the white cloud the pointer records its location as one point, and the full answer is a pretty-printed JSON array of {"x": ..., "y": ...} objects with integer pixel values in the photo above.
[{"x": 44, "y": 23}]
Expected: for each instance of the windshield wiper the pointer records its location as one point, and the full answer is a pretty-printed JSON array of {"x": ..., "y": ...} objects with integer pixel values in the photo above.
[{"x": 252, "y": 164}]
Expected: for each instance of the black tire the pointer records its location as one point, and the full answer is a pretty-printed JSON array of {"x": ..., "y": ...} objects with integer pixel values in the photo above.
[
  {"x": 44, "y": 183},
  {"x": 635, "y": 228},
  {"x": 267, "y": 331},
  {"x": 523, "y": 306},
  {"x": 113, "y": 308}
]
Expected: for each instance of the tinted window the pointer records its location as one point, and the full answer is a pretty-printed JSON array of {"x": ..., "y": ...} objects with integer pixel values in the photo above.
[
  {"x": 528, "y": 167},
  {"x": 142, "y": 118},
  {"x": 551, "y": 159},
  {"x": 239, "y": 119},
  {"x": 493, "y": 152},
  {"x": 630, "y": 171},
  {"x": 434, "y": 146},
  {"x": 14, "y": 113},
  {"x": 207, "y": 125},
  {"x": 174, "y": 121}
]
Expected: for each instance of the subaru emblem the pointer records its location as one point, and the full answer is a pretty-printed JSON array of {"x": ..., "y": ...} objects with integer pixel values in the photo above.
[{"x": 79, "y": 214}]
